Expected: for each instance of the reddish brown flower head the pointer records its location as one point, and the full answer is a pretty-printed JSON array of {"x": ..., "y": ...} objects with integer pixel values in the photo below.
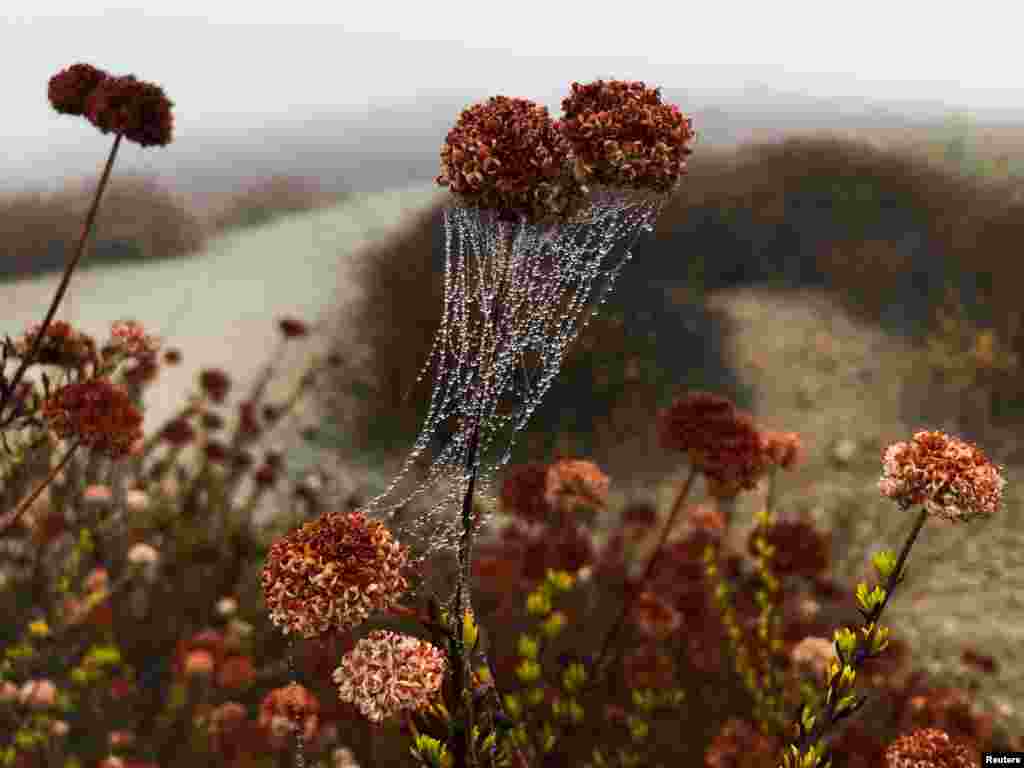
[
  {"x": 286, "y": 709},
  {"x": 69, "y": 88},
  {"x": 178, "y": 432},
  {"x": 98, "y": 413},
  {"x": 130, "y": 338},
  {"x": 522, "y": 492},
  {"x": 739, "y": 743},
  {"x": 784, "y": 449},
  {"x": 800, "y": 549},
  {"x": 138, "y": 110},
  {"x": 387, "y": 673},
  {"x": 954, "y": 479},
  {"x": 721, "y": 442},
  {"x": 215, "y": 383},
  {"x": 621, "y": 135},
  {"x": 332, "y": 573},
  {"x": 62, "y": 346},
  {"x": 507, "y": 155},
  {"x": 929, "y": 748},
  {"x": 656, "y": 618},
  {"x": 573, "y": 482},
  {"x": 292, "y": 328}
]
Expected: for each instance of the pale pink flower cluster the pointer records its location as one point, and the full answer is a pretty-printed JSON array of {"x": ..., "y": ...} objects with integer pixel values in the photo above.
[
  {"x": 129, "y": 337},
  {"x": 388, "y": 672},
  {"x": 333, "y": 572},
  {"x": 953, "y": 478}
]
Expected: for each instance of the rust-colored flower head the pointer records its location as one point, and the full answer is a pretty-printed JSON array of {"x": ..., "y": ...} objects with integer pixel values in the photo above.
[
  {"x": 784, "y": 449},
  {"x": 954, "y": 479},
  {"x": 573, "y": 482},
  {"x": 137, "y": 109},
  {"x": 622, "y": 136},
  {"x": 292, "y": 328},
  {"x": 387, "y": 673},
  {"x": 215, "y": 383},
  {"x": 928, "y": 748},
  {"x": 720, "y": 441},
  {"x": 178, "y": 432},
  {"x": 69, "y": 88},
  {"x": 129, "y": 338},
  {"x": 507, "y": 155},
  {"x": 98, "y": 413},
  {"x": 62, "y": 345},
  {"x": 656, "y": 618},
  {"x": 740, "y": 743},
  {"x": 800, "y": 549},
  {"x": 522, "y": 492},
  {"x": 284, "y": 709},
  {"x": 332, "y": 573}
]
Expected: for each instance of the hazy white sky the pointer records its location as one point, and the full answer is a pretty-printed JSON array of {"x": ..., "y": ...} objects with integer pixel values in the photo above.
[{"x": 230, "y": 65}]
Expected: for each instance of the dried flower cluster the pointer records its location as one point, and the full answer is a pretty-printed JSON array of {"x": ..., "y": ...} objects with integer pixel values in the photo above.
[
  {"x": 138, "y": 110},
  {"x": 97, "y": 412},
  {"x": 954, "y": 479},
  {"x": 62, "y": 345},
  {"x": 332, "y": 573},
  {"x": 928, "y": 748},
  {"x": 621, "y": 135},
  {"x": 721, "y": 442},
  {"x": 387, "y": 672},
  {"x": 506, "y": 154}
]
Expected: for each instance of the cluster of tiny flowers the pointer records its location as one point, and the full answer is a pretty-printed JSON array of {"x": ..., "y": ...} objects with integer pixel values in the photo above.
[
  {"x": 720, "y": 441},
  {"x": 569, "y": 482},
  {"x": 283, "y": 709},
  {"x": 954, "y": 479},
  {"x": 138, "y": 110},
  {"x": 61, "y": 345},
  {"x": 621, "y": 135},
  {"x": 387, "y": 673},
  {"x": 506, "y": 154},
  {"x": 332, "y": 573},
  {"x": 100, "y": 414},
  {"x": 928, "y": 748},
  {"x": 131, "y": 339}
]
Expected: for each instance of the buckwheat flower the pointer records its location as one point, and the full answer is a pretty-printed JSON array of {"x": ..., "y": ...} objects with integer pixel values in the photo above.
[
  {"x": 62, "y": 346},
  {"x": 621, "y": 135},
  {"x": 784, "y": 449},
  {"x": 954, "y": 479},
  {"x": 100, "y": 414},
  {"x": 138, "y": 110},
  {"x": 119, "y": 739},
  {"x": 800, "y": 549},
  {"x": 507, "y": 155},
  {"x": 131, "y": 339},
  {"x": 38, "y": 694},
  {"x": 720, "y": 441},
  {"x": 216, "y": 452},
  {"x": 236, "y": 672},
  {"x": 215, "y": 383},
  {"x": 8, "y": 692},
  {"x": 928, "y": 748},
  {"x": 285, "y": 708},
  {"x": 572, "y": 482},
  {"x": 813, "y": 654},
  {"x": 655, "y": 618},
  {"x": 523, "y": 491},
  {"x": 332, "y": 573},
  {"x": 292, "y": 328},
  {"x": 387, "y": 673},
  {"x": 227, "y": 723},
  {"x": 343, "y": 757},
  {"x": 69, "y": 88}
]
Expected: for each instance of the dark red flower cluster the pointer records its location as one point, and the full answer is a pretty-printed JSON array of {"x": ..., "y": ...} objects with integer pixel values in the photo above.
[
  {"x": 506, "y": 154},
  {"x": 621, "y": 135},
  {"x": 97, "y": 412},
  {"x": 138, "y": 110},
  {"x": 215, "y": 383},
  {"x": 800, "y": 549}
]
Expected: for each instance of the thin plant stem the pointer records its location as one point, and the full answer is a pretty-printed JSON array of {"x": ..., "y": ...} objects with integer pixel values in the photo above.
[
  {"x": 13, "y": 517},
  {"x": 9, "y": 389}
]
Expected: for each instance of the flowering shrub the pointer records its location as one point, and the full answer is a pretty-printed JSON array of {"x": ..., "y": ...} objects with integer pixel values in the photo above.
[{"x": 103, "y": 543}]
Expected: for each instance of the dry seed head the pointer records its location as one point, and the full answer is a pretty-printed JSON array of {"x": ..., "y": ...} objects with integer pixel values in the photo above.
[
  {"x": 387, "y": 673},
  {"x": 332, "y": 573},
  {"x": 954, "y": 479}
]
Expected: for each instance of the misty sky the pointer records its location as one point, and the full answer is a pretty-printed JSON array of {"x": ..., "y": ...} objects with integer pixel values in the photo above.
[{"x": 234, "y": 68}]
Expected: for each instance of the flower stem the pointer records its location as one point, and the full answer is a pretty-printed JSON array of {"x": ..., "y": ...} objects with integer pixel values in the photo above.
[
  {"x": 8, "y": 389},
  {"x": 13, "y": 517}
]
